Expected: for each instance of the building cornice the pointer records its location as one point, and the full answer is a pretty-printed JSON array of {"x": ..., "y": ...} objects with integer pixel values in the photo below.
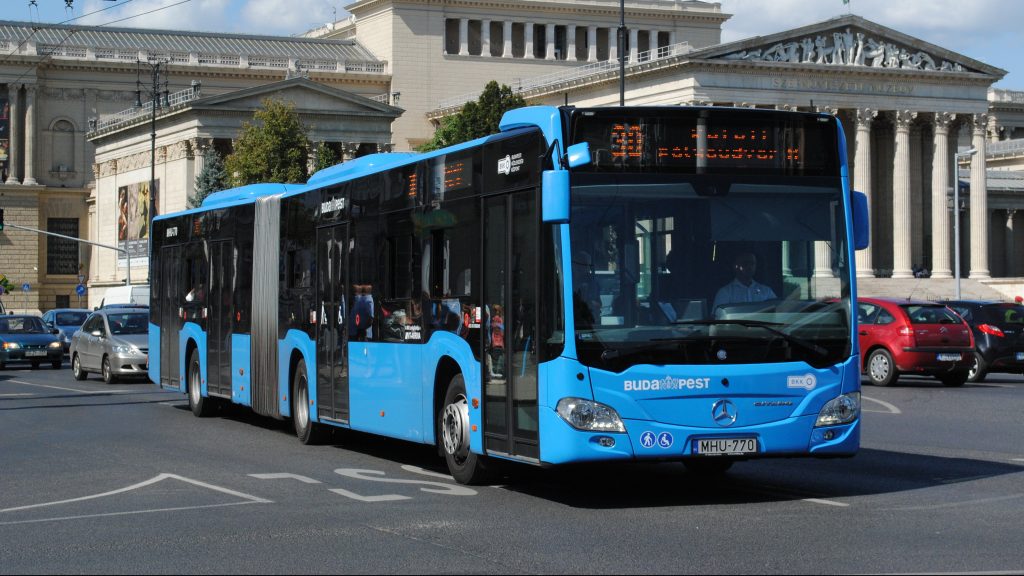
[{"x": 550, "y": 8}]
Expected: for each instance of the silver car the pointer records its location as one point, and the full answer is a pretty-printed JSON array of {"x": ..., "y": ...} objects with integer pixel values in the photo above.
[{"x": 113, "y": 342}]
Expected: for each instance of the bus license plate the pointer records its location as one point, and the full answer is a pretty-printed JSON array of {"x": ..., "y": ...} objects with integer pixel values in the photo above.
[
  {"x": 35, "y": 353},
  {"x": 712, "y": 446},
  {"x": 950, "y": 357}
]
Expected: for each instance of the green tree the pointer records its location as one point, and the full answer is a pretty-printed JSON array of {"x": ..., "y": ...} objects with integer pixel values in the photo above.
[
  {"x": 476, "y": 119},
  {"x": 212, "y": 178},
  {"x": 325, "y": 157},
  {"x": 274, "y": 148}
]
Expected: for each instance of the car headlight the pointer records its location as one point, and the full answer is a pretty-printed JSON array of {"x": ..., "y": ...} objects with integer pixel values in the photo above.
[
  {"x": 840, "y": 410},
  {"x": 124, "y": 349},
  {"x": 588, "y": 415},
  {"x": 11, "y": 346},
  {"x": 56, "y": 345}
]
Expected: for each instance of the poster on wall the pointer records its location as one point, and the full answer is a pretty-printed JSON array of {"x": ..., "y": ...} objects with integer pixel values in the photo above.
[
  {"x": 5, "y": 142},
  {"x": 133, "y": 222}
]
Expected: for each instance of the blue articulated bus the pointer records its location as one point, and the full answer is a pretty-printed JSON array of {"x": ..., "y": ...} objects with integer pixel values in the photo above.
[{"x": 604, "y": 284}]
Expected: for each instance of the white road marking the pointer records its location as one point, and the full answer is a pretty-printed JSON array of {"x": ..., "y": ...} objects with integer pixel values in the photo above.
[
  {"x": 73, "y": 389},
  {"x": 890, "y": 409},
  {"x": 151, "y": 481},
  {"x": 61, "y": 518},
  {"x": 285, "y": 475},
  {"x": 377, "y": 476},
  {"x": 13, "y": 395},
  {"x": 1017, "y": 460},
  {"x": 826, "y": 502},
  {"x": 418, "y": 470},
  {"x": 381, "y": 498}
]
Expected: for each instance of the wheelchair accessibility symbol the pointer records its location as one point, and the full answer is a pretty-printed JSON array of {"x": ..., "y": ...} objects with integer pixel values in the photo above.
[
  {"x": 650, "y": 440},
  {"x": 665, "y": 440}
]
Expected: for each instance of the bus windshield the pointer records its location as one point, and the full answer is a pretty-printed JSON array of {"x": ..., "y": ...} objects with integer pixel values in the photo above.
[{"x": 664, "y": 272}]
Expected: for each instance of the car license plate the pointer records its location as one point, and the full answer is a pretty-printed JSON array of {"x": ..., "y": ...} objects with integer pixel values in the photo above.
[
  {"x": 35, "y": 353},
  {"x": 1020, "y": 356},
  {"x": 950, "y": 357},
  {"x": 713, "y": 446}
]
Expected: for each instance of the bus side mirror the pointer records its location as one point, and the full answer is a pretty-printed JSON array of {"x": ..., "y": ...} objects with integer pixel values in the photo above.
[
  {"x": 861, "y": 221},
  {"x": 555, "y": 196},
  {"x": 578, "y": 155}
]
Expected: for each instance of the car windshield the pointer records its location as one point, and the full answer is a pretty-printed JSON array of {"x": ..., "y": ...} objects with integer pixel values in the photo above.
[
  {"x": 670, "y": 270},
  {"x": 70, "y": 318},
  {"x": 1002, "y": 314},
  {"x": 21, "y": 325},
  {"x": 128, "y": 323},
  {"x": 930, "y": 314}
]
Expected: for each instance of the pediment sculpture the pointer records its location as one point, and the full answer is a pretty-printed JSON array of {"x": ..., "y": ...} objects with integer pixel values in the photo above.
[{"x": 847, "y": 48}]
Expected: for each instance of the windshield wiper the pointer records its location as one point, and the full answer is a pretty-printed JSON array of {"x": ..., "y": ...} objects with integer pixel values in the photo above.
[{"x": 768, "y": 326}]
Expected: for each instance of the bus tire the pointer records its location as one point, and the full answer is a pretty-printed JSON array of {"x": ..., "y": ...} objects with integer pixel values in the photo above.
[
  {"x": 309, "y": 432},
  {"x": 201, "y": 407},
  {"x": 453, "y": 436}
]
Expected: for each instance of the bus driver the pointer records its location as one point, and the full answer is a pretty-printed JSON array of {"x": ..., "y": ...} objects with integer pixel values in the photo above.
[{"x": 743, "y": 288}]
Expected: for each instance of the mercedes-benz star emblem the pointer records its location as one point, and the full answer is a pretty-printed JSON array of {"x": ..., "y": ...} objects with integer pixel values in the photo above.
[{"x": 724, "y": 412}]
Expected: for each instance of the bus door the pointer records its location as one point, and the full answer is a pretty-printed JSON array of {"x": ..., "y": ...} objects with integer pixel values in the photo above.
[
  {"x": 218, "y": 324},
  {"x": 170, "y": 314},
  {"x": 331, "y": 324},
  {"x": 511, "y": 280}
]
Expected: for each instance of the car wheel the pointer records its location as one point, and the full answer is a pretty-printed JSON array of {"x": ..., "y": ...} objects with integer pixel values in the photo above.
[
  {"x": 201, "y": 407},
  {"x": 453, "y": 436},
  {"x": 707, "y": 467},
  {"x": 881, "y": 369},
  {"x": 108, "y": 375},
  {"x": 309, "y": 432},
  {"x": 953, "y": 379},
  {"x": 76, "y": 369},
  {"x": 979, "y": 370}
]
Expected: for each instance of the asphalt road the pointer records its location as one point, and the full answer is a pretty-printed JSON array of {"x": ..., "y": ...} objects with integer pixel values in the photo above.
[{"x": 114, "y": 479}]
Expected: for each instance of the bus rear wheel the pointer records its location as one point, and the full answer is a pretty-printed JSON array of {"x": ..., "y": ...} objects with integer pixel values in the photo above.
[
  {"x": 309, "y": 432},
  {"x": 201, "y": 407},
  {"x": 453, "y": 436}
]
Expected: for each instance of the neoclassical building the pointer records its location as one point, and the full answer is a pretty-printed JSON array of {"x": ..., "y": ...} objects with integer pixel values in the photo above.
[{"x": 907, "y": 106}]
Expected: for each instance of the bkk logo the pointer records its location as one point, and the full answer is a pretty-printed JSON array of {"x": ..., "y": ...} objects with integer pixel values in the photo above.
[
  {"x": 667, "y": 383},
  {"x": 807, "y": 382}
]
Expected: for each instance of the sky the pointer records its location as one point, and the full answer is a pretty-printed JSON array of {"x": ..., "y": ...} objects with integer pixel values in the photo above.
[{"x": 985, "y": 30}]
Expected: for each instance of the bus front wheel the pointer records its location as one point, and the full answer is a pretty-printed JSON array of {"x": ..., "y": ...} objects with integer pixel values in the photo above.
[
  {"x": 201, "y": 407},
  {"x": 309, "y": 432},
  {"x": 453, "y": 436}
]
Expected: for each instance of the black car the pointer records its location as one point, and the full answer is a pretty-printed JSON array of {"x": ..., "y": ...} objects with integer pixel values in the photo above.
[{"x": 998, "y": 336}]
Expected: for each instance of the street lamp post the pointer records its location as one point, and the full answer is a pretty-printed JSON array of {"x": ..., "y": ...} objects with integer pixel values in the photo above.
[
  {"x": 621, "y": 44},
  {"x": 159, "y": 80},
  {"x": 956, "y": 213}
]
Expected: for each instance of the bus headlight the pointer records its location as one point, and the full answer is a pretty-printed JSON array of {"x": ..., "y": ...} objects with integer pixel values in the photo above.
[
  {"x": 840, "y": 410},
  {"x": 590, "y": 416}
]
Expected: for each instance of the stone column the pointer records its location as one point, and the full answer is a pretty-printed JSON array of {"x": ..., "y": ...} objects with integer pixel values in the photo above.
[
  {"x": 506, "y": 37},
  {"x": 549, "y": 41},
  {"x": 14, "y": 146},
  {"x": 979, "y": 200},
  {"x": 570, "y": 42},
  {"x": 30, "y": 136},
  {"x": 862, "y": 180},
  {"x": 652, "y": 43},
  {"x": 941, "y": 267},
  {"x": 463, "y": 37},
  {"x": 1011, "y": 261},
  {"x": 613, "y": 44},
  {"x": 528, "y": 40},
  {"x": 591, "y": 43},
  {"x": 916, "y": 196},
  {"x": 632, "y": 44},
  {"x": 901, "y": 216},
  {"x": 672, "y": 38},
  {"x": 485, "y": 38}
]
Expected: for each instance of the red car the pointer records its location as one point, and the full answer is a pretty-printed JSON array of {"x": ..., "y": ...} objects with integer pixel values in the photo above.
[{"x": 913, "y": 337}]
